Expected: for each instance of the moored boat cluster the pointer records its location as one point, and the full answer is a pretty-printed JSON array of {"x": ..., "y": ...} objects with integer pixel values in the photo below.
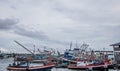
[{"x": 76, "y": 58}]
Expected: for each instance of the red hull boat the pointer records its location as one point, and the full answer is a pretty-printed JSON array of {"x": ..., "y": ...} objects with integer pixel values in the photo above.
[{"x": 31, "y": 68}]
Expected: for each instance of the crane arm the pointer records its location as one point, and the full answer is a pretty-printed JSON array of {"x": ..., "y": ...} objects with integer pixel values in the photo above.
[{"x": 23, "y": 47}]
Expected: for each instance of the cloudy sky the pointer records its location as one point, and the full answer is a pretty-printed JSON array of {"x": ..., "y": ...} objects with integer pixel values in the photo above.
[{"x": 55, "y": 23}]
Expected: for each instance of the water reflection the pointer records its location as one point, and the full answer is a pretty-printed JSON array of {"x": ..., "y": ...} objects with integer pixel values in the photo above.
[{"x": 4, "y": 63}]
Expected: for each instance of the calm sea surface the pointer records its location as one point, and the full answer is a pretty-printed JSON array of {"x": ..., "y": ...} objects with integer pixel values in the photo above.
[{"x": 5, "y": 62}]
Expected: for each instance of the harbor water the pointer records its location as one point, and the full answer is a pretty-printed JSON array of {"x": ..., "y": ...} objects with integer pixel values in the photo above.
[{"x": 5, "y": 62}]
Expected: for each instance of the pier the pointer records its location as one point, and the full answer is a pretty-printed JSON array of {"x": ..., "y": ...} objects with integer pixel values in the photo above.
[{"x": 116, "y": 51}]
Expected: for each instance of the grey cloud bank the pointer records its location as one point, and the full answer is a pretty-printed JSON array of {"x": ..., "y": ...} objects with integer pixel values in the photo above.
[
  {"x": 7, "y": 23},
  {"x": 11, "y": 24},
  {"x": 55, "y": 23}
]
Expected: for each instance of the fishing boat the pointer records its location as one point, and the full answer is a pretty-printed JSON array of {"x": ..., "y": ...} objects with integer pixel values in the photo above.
[
  {"x": 85, "y": 60},
  {"x": 91, "y": 66},
  {"x": 69, "y": 56},
  {"x": 91, "y": 63},
  {"x": 26, "y": 64},
  {"x": 31, "y": 68}
]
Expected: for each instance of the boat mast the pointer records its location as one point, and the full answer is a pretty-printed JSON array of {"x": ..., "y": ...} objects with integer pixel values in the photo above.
[{"x": 70, "y": 45}]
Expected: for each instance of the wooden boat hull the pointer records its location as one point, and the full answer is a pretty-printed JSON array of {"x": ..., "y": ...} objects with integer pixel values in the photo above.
[
  {"x": 95, "y": 67},
  {"x": 37, "y": 68}
]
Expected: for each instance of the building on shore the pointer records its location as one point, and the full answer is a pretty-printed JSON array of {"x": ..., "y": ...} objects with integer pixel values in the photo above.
[{"x": 116, "y": 48}]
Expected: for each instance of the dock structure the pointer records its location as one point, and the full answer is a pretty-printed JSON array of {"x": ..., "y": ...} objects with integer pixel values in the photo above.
[{"x": 116, "y": 48}]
